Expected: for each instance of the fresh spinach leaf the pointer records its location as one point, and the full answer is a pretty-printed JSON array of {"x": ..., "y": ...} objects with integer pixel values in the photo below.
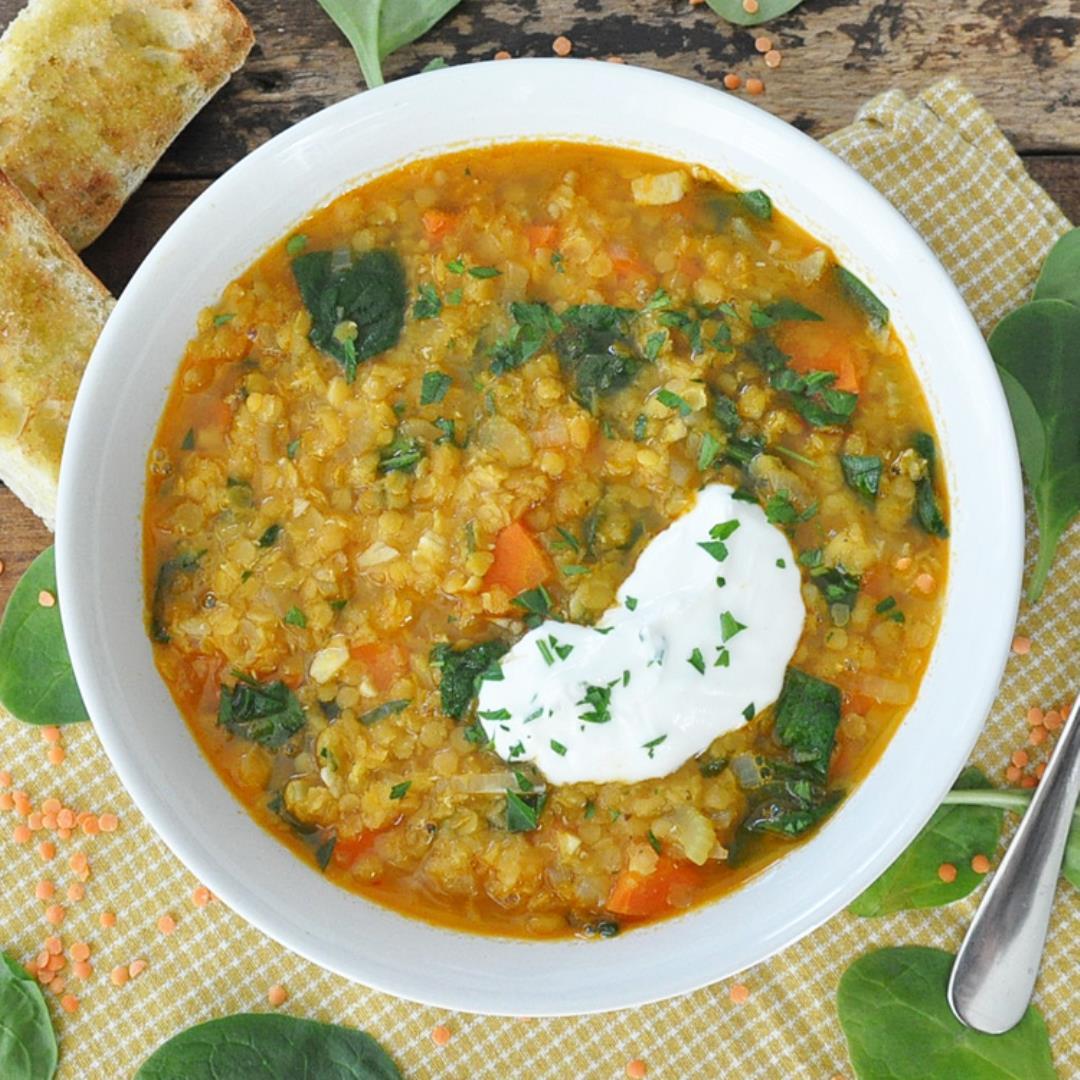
[
  {"x": 1037, "y": 350},
  {"x": 837, "y": 585},
  {"x": 1060, "y": 275},
  {"x": 780, "y": 510},
  {"x": 788, "y": 804},
  {"x": 955, "y": 834},
  {"x": 28, "y": 1048},
  {"x": 862, "y": 473},
  {"x": 1017, "y": 802},
  {"x": 377, "y": 28},
  {"x": 860, "y": 294},
  {"x": 357, "y": 311},
  {"x": 184, "y": 563},
  {"x": 266, "y": 713},
  {"x": 898, "y": 1025},
  {"x": 734, "y": 12},
  {"x": 807, "y": 715},
  {"x": 37, "y": 684},
  {"x": 267, "y": 1046},
  {"x": 462, "y": 671}
]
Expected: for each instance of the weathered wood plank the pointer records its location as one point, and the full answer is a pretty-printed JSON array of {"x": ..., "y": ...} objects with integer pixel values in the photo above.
[{"x": 1021, "y": 59}]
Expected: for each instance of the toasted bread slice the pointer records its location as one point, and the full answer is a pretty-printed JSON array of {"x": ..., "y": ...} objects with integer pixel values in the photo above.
[
  {"x": 51, "y": 312},
  {"x": 93, "y": 91}
]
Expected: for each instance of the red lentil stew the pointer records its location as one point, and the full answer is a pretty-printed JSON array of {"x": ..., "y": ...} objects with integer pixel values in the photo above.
[{"x": 462, "y": 399}]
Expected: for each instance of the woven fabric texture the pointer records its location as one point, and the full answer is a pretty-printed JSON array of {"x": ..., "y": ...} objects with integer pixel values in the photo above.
[{"x": 942, "y": 161}]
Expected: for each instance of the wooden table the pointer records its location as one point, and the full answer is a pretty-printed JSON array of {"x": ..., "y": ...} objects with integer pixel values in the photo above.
[{"x": 1021, "y": 58}]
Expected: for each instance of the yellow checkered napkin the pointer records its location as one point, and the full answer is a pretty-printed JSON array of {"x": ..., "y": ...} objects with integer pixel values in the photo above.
[{"x": 944, "y": 163}]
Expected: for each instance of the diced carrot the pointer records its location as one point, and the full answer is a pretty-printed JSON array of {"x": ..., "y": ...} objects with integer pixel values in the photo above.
[
  {"x": 386, "y": 663},
  {"x": 625, "y": 262},
  {"x": 542, "y": 236},
  {"x": 858, "y": 703},
  {"x": 437, "y": 223},
  {"x": 643, "y": 895},
  {"x": 348, "y": 850},
  {"x": 816, "y": 347},
  {"x": 520, "y": 562}
]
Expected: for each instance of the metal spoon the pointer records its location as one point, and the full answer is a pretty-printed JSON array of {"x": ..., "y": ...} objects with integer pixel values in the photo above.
[{"x": 994, "y": 974}]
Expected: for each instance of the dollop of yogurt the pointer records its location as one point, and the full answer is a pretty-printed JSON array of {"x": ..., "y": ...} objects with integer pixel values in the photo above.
[{"x": 697, "y": 642}]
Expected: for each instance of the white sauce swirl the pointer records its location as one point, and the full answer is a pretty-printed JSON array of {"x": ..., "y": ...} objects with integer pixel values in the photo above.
[{"x": 679, "y": 660}]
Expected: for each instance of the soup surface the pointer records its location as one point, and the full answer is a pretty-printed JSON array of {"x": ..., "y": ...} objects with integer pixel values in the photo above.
[{"x": 457, "y": 405}]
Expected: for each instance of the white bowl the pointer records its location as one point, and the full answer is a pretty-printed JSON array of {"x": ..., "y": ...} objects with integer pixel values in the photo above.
[{"x": 101, "y": 497}]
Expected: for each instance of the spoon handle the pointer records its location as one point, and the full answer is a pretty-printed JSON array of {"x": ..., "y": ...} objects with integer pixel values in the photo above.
[{"x": 995, "y": 970}]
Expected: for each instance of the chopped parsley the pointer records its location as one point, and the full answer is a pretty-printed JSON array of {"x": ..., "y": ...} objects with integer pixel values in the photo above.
[
  {"x": 463, "y": 670},
  {"x": 270, "y": 536},
  {"x": 398, "y": 790},
  {"x": 401, "y": 455},
  {"x": 295, "y": 245},
  {"x": 188, "y": 441},
  {"x": 673, "y": 401},
  {"x": 558, "y": 748},
  {"x": 631, "y": 603},
  {"x": 224, "y": 318},
  {"x": 433, "y": 387},
  {"x": 598, "y": 698},
  {"x": 749, "y": 711},
  {"x": 557, "y": 261},
  {"x": 652, "y": 744},
  {"x": 292, "y": 449},
  {"x": 697, "y": 661},
  {"x": 295, "y": 617},
  {"x": 654, "y": 843},
  {"x": 780, "y": 510},
  {"x": 708, "y": 451},
  {"x": 729, "y": 626},
  {"x": 428, "y": 305},
  {"x": 484, "y": 272},
  {"x": 523, "y": 811}
]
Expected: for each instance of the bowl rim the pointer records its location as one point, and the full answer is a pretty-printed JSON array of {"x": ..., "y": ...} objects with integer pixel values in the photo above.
[{"x": 471, "y": 978}]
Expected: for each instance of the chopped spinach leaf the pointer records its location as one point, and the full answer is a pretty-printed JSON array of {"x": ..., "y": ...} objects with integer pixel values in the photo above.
[
  {"x": 184, "y": 563},
  {"x": 757, "y": 203},
  {"x": 928, "y": 511},
  {"x": 295, "y": 617},
  {"x": 862, "y": 473},
  {"x": 266, "y": 713},
  {"x": 462, "y": 670},
  {"x": 401, "y": 455},
  {"x": 398, "y": 791},
  {"x": 862, "y": 297},
  {"x": 270, "y": 536},
  {"x": 428, "y": 305},
  {"x": 523, "y": 811},
  {"x": 807, "y": 715},
  {"x": 356, "y": 312},
  {"x": 532, "y": 325}
]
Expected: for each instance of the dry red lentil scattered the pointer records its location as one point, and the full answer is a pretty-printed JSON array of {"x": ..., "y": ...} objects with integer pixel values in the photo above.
[
  {"x": 773, "y": 58},
  {"x": 119, "y": 976},
  {"x": 21, "y": 834},
  {"x": 750, "y": 6},
  {"x": 277, "y": 995},
  {"x": 5, "y": 776},
  {"x": 56, "y": 755},
  {"x": 45, "y": 890},
  {"x": 636, "y": 1069},
  {"x": 45, "y": 976},
  {"x": 54, "y": 946},
  {"x": 58, "y": 985},
  {"x": 732, "y": 81},
  {"x": 108, "y": 823},
  {"x": 562, "y": 46},
  {"x": 1039, "y": 770},
  {"x": 54, "y": 914},
  {"x": 1021, "y": 645},
  {"x": 82, "y": 970},
  {"x": 1, "y": 566},
  {"x": 136, "y": 968},
  {"x": 69, "y": 1003},
  {"x": 947, "y": 872},
  {"x": 763, "y": 44},
  {"x": 615, "y": 60},
  {"x": 1052, "y": 721},
  {"x": 980, "y": 864},
  {"x": 35, "y": 820},
  {"x": 1012, "y": 774},
  {"x": 46, "y": 850},
  {"x": 201, "y": 896},
  {"x": 50, "y": 734},
  {"x": 1020, "y": 758},
  {"x": 739, "y": 994},
  {"x": 1035, "y": 716},
  {"x": 502, "y": 54},
  {"x": 1037, "y": 736},
  {"x": 107, "y": 919},
  {"x": 76, "y": 891},
  {"x": 80, "y": 951},
  {"x": 57, "y": 963},
  {"x": 7, "y": 801},
  {"x": 755, "y": 86},
  {"x": 1028, "y": 782},
  {"x": 440, "y": 1035},
  {"x": 166, "y": 924},
  {"x": 46, "y": 598}
]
